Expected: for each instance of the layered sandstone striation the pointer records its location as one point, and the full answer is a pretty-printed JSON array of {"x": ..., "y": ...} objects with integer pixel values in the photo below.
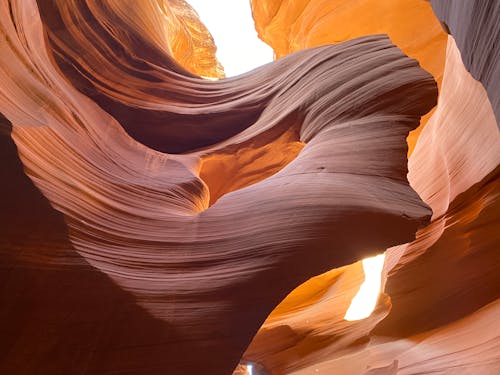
[
  {"x": 152, "y": 221},
  {"x": 292, "y": 25},
  {"x": 442, "y": 289},
  {"x": 475, "y": 27}
]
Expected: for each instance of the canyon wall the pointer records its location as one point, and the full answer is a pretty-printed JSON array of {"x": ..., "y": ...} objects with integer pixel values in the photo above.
[
  {"x": 443, "y": 287},
  {"x": 156, "y": 222}
]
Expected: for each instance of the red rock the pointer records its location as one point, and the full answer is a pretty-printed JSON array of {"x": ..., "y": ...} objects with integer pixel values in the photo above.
[{"x": 173, "y": 214}]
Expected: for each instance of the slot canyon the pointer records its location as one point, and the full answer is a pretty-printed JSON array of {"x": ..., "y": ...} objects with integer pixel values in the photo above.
[{"x": 154, "y": 221}]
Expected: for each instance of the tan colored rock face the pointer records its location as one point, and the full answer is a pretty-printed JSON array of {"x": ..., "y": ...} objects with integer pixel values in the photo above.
[{"x": 178, "y": 213}]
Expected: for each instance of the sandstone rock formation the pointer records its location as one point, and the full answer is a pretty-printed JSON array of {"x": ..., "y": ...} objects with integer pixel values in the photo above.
[
  {"x": 152, "y": 220},
  {"x": 291, "y": 25},
  {"x": 446, "y": 275},
  {"x": 475, "y": 27}
]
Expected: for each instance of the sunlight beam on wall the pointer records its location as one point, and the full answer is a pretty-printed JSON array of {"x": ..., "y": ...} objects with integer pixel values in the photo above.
[{"x": 363, "y": 303}]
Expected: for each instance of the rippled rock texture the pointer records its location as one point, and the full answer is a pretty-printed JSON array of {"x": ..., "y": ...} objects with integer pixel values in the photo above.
[
  {"x": 152, "y": 221},
  {"x": 441, "y": 291}
]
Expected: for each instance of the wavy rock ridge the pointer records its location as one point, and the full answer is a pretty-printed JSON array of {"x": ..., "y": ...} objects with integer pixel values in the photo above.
[
  {"x": 183, "y": 211},
  {"x": 442, "y": 289}
]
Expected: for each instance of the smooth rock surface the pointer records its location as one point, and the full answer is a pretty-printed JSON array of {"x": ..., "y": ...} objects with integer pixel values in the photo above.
[
  {"x": 155, "y": 222},
  {"x": 475, "y": 27},
  {"x": 449, "y": 272},
  {"x": 200, "y": 273}
]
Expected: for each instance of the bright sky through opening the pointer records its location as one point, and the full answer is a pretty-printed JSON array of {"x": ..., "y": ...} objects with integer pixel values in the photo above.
[
  {"x": 363, "y": 303},
  {"x": 231, "y": 24}
]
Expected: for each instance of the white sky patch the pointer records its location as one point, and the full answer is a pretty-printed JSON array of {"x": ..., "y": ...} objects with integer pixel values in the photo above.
[
  {"x": 363, "y": 303},
  {"x": 230, "y": 22}
]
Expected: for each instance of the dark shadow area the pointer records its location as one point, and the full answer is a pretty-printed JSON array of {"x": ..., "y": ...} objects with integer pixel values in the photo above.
[
  {"x": 59, "y": 315},
  {"x": 457, "y": 275}
]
